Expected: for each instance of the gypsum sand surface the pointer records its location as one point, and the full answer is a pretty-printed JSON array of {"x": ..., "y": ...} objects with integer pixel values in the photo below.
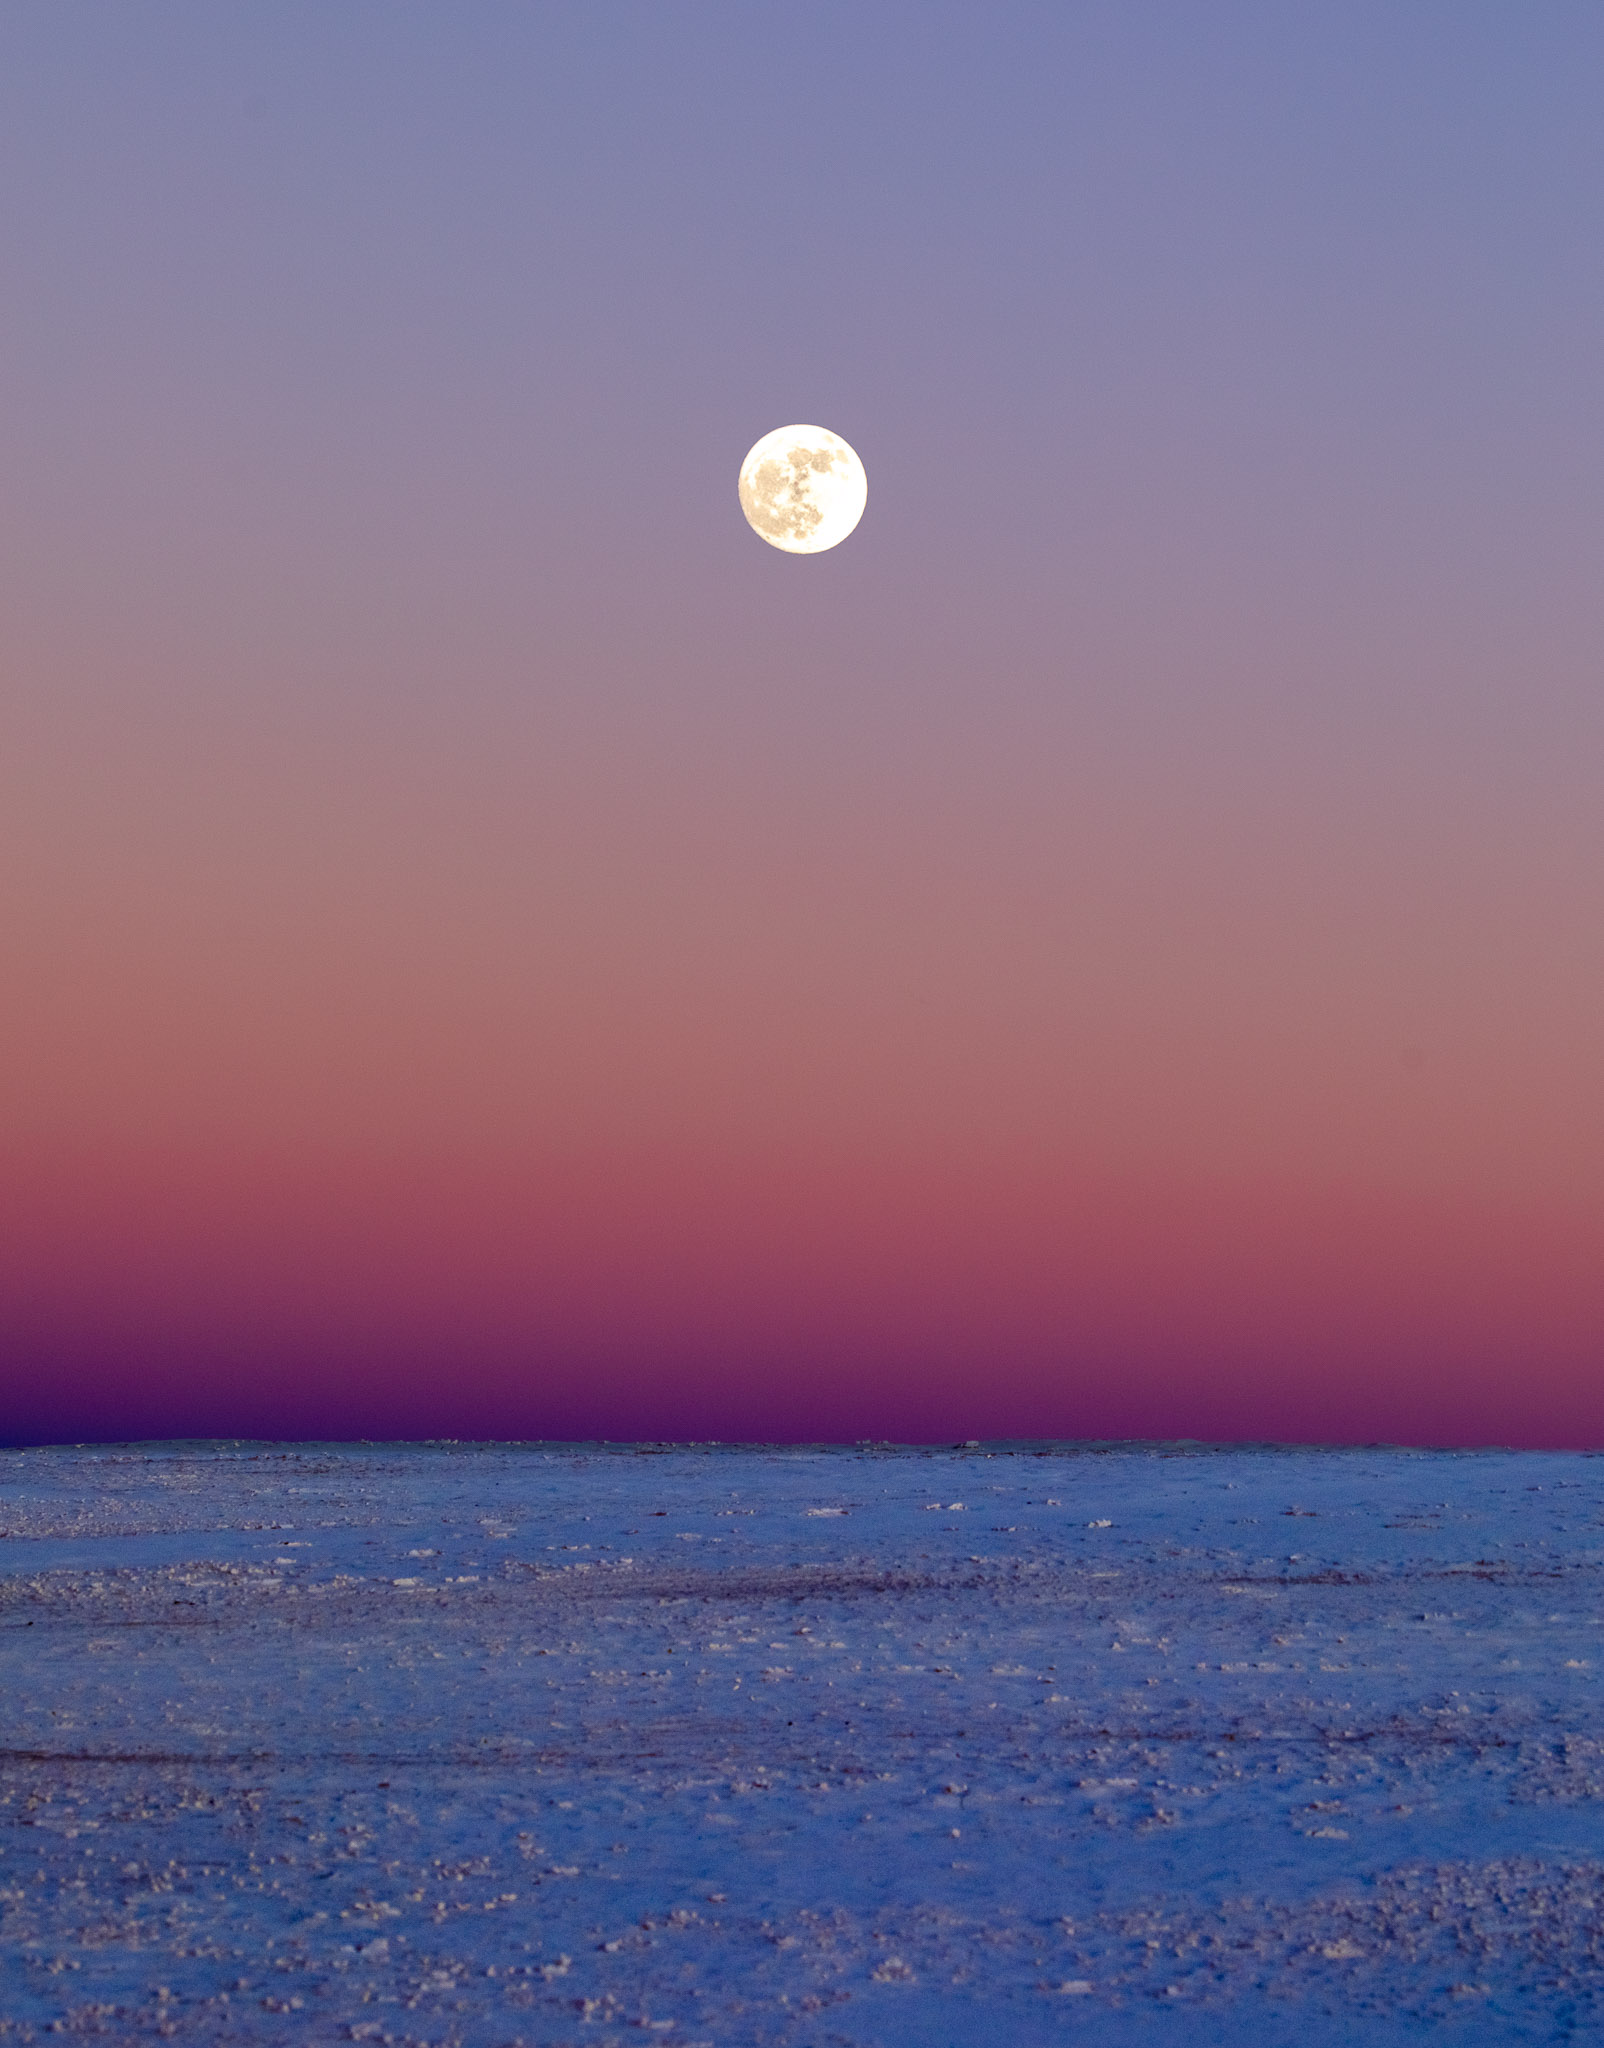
[{"x": 1018, "y": 1743}]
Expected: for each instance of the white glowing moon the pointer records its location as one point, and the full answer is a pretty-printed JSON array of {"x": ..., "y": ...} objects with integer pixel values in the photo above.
[{"x": 803, "y": 489}]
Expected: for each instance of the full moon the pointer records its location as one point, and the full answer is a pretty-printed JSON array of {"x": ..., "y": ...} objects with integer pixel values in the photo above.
[{"x": 803, "y": 489}]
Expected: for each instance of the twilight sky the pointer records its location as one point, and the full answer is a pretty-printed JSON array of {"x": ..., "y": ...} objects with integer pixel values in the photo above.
[{"x": 492, "y": 949}]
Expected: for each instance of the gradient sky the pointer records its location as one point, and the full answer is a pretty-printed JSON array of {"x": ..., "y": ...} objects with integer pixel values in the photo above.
[{"x": 488, "y": 948}]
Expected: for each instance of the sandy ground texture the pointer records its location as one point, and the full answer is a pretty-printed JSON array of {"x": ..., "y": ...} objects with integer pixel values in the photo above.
[{"x": 1009, "y": 1744}]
